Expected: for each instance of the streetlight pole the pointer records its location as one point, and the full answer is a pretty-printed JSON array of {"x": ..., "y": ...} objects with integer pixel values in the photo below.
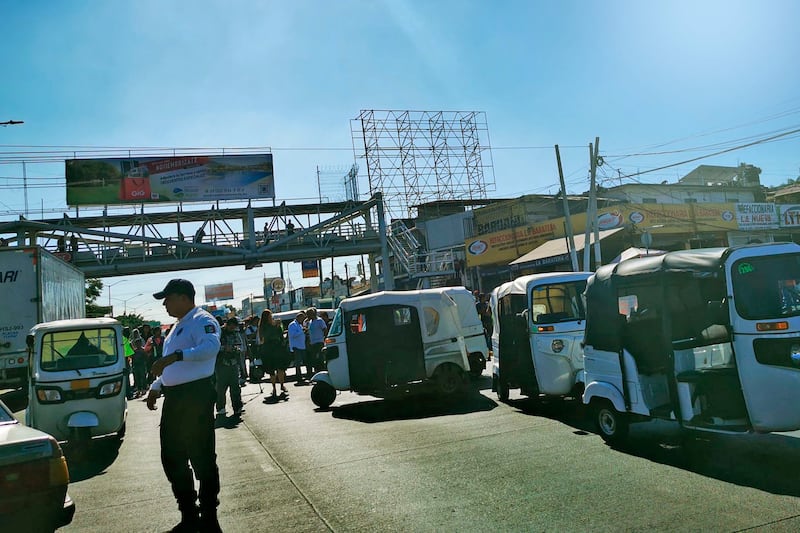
[{"x": 109, "y": 289}]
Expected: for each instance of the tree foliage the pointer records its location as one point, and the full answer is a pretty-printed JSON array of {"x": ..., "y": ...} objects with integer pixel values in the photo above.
[
  {"x": 132, "y": 320},
  {"x": 94, "y": 287}
]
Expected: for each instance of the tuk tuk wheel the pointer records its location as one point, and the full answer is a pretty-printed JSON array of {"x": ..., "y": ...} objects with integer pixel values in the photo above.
[
  {"x": 322, "y": 394},
  {"x": 449, "y": 379},
  {"x": 611, "y": 424}
]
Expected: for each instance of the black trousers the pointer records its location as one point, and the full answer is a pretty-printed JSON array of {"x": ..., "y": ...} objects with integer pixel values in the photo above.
[{"x": 187, "y": 436}]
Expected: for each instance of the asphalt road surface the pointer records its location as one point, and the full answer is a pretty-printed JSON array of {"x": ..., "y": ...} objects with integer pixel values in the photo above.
[{"x": 427, "y": 465}]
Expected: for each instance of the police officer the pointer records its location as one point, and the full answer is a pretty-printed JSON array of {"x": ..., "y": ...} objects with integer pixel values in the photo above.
[{"x": 184, "y": 377}]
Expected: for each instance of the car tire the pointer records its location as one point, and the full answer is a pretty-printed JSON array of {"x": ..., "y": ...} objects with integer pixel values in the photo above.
[
  {"x": 322, "y": 394},
  {"x": 477, "y": 363},
  {"x": 612, "y": 425},
  {"x": 449, "y": 379}
]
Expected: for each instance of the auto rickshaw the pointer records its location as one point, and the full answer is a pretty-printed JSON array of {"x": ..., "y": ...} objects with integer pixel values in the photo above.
[
  {"x": 77, "y": 379},
  {"x": 394, "y": 343}
]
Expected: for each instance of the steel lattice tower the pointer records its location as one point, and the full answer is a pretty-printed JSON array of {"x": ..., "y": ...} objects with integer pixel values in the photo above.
[{"x": 414, "y": 157}]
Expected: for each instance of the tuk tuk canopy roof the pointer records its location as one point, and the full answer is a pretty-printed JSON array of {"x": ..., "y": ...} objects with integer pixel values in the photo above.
[
  {"x": 76, "y": 324},
  {"x": 448, "y": 323},
  {"x": 521, "y": 284},
  {"x": 602, "y": 308}
]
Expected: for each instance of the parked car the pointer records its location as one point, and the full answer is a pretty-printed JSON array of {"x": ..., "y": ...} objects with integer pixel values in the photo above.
[{"x": 33, "y": 478}]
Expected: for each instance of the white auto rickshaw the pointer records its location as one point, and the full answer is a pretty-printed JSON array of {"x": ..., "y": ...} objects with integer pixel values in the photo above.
[
  {"x": 709, "y": 338},
  {"x": 538, "y": 330},
  {"x": 77, "y": 379},
  {"x": 393, "y": 343}
]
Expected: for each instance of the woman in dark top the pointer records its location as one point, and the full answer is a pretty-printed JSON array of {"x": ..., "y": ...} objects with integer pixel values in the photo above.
[{"x": 273, "y": 350}]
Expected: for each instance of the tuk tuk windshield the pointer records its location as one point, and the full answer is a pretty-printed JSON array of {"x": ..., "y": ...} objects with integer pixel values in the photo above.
[
  {"x": 767, "y": 287},
  {"x": 78, "y": 350},
  {"x": 336, "y": 325},
  {"x": 558, "y": 302}
]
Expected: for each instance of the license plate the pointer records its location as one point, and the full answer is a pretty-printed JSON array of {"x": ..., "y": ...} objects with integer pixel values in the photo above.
[{"x": 80, "y": 384}]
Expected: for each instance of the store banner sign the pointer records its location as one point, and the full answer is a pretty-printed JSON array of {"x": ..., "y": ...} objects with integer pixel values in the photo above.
[
  {"x": 195, "y": 178},
  {"x": 751, "y": 216},
  {"x": 221, "y": 291},
  {"x": 789, "y": 216}
]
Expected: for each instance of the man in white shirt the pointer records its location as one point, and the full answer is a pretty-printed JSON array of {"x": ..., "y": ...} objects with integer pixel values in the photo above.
[
  {"x": 184, "y": 376},
  {"x": 297, "y": 344}
]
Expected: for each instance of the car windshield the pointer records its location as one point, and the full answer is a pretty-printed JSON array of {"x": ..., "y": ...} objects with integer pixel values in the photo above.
[
  {"x": 77, "y": 350},
  {"x": 767, "y": 287},
  {"x": 558, "y": 302}
]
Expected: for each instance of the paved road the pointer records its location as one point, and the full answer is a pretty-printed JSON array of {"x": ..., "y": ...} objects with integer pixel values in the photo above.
[{"x": 478, "y": 465}]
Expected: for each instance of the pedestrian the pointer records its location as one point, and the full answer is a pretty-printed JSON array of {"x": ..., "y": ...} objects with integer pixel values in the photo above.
[
  {"x": 127, "y": 351},
  {"x": 272, "y": 349},
  {"x": 297, "y": 344},
  {"x": 227, "y": 368},
  {"x": 155, "y": 349},
  {"x": 138, "y": 364},
  {"x": 185, "y": 377},
  {"x": 485, "y": 313},
  {"x": 317, "y": 329},
  {"x": 244, "y": 355}
]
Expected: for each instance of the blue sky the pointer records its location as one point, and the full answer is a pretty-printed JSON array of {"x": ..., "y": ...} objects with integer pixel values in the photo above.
[{"x": 644, "y": 76}]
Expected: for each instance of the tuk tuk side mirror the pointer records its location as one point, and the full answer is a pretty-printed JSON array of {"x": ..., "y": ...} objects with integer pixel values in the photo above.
[{"x": 29, "y": 341}]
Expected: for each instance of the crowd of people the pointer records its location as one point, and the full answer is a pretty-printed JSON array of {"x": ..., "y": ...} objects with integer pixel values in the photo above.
[{"x": 258, "y": 340}]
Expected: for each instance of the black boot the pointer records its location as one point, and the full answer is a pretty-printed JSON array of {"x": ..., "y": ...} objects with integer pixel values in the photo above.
[
  {"x": 190, "y": 519},
  {"x": 208, "y": 520}
]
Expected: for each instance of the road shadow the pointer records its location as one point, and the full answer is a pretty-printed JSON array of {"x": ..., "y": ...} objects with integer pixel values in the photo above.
[
  {"x": 227, "y": 422},
  {"x": 412, "y": 407},
  {"x": 92, "y": 459},
  {"x": 767, "y": 462}
]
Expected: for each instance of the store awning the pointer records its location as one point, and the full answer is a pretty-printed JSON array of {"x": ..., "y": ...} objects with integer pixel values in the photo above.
[{"x": 556, "y": 251}]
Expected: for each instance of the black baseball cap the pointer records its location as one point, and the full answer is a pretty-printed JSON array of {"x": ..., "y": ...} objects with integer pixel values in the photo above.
[{"x": 176, "y": 286}]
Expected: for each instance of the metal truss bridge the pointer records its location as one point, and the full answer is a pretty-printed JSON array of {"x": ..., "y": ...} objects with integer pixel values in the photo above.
[{"x": 142, "y": 243}]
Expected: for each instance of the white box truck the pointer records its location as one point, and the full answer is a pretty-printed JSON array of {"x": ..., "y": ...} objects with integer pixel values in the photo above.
[{"x": 35, "y": 286}]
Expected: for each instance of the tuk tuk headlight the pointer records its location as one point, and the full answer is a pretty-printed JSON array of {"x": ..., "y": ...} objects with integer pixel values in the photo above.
[
  {"x": 110, "y": 388},
  {"x": 557, "y": 345},
  {"x": 48, "y": 395}
]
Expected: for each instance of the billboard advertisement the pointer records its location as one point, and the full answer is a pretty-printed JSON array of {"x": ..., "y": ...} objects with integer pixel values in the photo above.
[
  {"x": 194, "y": 178},
  {"x": 221, "y": 291}
]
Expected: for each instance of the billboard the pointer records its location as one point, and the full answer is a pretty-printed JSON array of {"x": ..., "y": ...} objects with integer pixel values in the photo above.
[
  {"x": 194, "y": 178},
  {"x": 221, "y": 291}
]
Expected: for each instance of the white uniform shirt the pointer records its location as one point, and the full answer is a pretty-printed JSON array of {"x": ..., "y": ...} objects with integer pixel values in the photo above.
[{"x": 197, "y": 335}]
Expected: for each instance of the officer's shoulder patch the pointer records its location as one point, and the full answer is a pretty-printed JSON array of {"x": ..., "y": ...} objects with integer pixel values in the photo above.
[{"x": 209, "y": 329}]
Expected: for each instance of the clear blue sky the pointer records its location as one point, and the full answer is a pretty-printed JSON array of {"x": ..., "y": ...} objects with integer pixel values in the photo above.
[{"x": 644, "y": 76}]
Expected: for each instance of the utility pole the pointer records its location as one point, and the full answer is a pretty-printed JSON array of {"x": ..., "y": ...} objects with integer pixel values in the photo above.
[
  {"x": 570, "y": 235},
  {"x": 598, "y": 259},
  {"x": 587, "y": 251}
]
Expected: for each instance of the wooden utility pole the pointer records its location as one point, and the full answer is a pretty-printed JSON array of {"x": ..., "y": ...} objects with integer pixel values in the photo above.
[
  {"x": 598, "y": 259},
  {"x": 570, "y": 235}
]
